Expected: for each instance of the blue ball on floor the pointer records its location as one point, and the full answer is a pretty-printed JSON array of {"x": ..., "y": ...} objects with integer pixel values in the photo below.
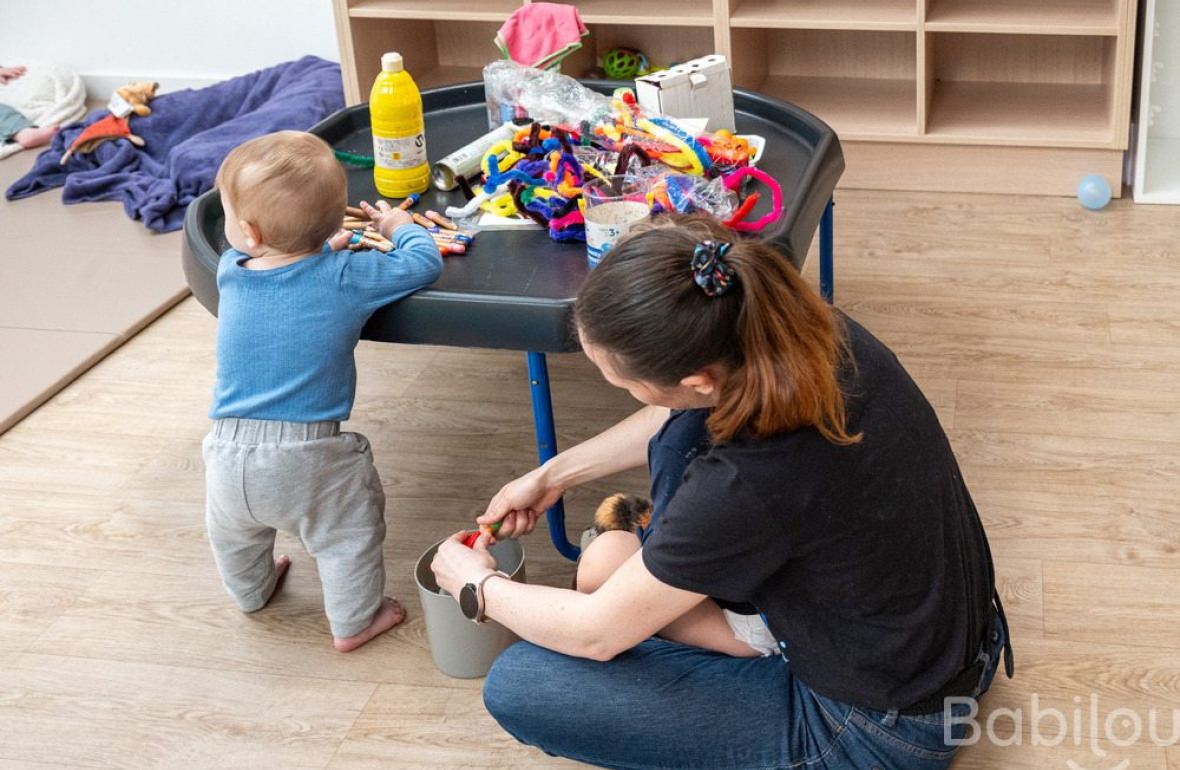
[{"x": 1094, "y": 192}]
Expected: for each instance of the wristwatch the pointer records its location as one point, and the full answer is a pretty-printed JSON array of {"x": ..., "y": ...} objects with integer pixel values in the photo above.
[{"x": 471, "y": 601}]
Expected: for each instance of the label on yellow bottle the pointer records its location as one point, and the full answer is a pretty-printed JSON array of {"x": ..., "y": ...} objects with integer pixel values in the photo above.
[{"x": 399, "y": 154}]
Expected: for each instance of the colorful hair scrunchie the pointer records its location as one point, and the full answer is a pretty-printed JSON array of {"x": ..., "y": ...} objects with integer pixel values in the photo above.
[{"x": 710, "y": 271}]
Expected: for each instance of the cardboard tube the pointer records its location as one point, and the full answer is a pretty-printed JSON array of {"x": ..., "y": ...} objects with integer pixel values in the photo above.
[{"x": 465, "y": 161}]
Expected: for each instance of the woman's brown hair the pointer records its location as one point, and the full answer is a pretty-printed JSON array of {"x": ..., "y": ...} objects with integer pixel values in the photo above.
[{"x": 779, "y": 344}]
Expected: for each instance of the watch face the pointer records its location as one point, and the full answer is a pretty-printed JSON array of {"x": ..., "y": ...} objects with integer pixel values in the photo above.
[{"x": 469, "y": 601}]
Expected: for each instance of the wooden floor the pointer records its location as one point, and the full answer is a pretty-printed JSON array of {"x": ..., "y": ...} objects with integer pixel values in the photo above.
[{"x": 1047, "y": 337}]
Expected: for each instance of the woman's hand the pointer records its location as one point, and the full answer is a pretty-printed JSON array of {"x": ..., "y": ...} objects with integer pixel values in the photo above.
[
  {"x": 520, "y": 502},
  {"x": 455, "y": 565}
]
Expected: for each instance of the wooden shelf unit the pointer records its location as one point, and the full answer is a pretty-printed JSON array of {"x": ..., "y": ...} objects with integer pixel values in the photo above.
[
  {"x": 1032, "y": 90},
  {"x": 824, "y": 14},
  {"x": 861, "y": 82},
  {"x": 1031, "y": 17},
  {"x": 659, "y": 13},
  {"x": 925, "y": 94}
]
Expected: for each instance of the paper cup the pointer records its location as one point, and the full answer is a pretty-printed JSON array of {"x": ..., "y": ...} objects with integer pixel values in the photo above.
[{"x": 613, "y": 207}]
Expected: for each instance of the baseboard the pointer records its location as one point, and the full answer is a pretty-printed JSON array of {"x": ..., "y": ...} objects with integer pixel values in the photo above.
[{"x": 99, "y": 87}]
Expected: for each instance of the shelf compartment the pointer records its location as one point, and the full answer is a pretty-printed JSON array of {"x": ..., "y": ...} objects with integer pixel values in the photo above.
[
  {"x": 861, "y": 83},
  {"x": 663, "y": 13},
  {"x": 1039, "y": 17},
  {"x": 663, "y": 45},
  {"x": 1037, "y": 90},
  {"x": 434, "y": 10},
  {"x": 436, "y": 53},
  {"x": 825, "y": 14}
]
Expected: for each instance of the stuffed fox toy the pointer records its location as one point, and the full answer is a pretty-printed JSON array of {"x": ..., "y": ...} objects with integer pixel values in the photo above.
[
  {"x": 128, "y": 100},
  {"x": 623, "y": 512}
]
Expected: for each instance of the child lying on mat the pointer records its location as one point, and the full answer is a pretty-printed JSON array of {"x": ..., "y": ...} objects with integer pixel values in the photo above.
[
  {"x": 290, "y": 314},
  {"x": 14, "y": 126}
]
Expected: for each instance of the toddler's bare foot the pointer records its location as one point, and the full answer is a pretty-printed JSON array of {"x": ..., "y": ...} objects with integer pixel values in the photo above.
[
  {"x": 389, "y": 614},
  {"x": 35, "y": 136},
  {"x": 282, "y": 563}
]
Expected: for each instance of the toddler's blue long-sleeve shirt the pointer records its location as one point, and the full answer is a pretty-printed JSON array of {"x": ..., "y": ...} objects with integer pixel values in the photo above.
[{"x": 285, "y": 336}]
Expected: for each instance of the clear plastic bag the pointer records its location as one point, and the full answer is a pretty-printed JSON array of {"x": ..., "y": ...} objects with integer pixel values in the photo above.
[
  {"x": 668, "y": 191},
  {"x": 515, "y": 91}
]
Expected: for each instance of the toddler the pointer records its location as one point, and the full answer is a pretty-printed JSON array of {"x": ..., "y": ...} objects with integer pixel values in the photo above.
[
  {"x": 290, "y": 314},
  {"x": 14, "y": 126}
]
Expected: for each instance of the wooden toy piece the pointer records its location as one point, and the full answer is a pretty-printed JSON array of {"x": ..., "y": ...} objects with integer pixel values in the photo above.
[
  {"x": 442, "y": 221},
  {"x": 408, "y": 203},
  {"x": 356, "y": 213},
  {"x": 450, "y": 236},
  {"x": 371, "y": 244},
  {"x": 365, "y": 240},
  {"x": 447, "y": 248},
  {"x": 419, "y": 219}
]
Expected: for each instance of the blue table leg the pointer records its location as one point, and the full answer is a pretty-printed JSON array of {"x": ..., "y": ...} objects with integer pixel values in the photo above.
[
  {"x": 547, "y": 446},
  {"x": 827, "y": 249}
]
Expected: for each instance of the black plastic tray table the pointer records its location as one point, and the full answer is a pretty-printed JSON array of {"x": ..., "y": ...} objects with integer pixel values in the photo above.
[{"x": 515, "y": 288}]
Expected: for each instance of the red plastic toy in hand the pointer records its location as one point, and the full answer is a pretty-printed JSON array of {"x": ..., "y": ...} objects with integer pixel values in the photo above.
[{"x": 472, "y": 537}]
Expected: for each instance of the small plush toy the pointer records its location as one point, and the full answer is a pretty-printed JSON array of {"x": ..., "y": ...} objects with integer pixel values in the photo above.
[
  {"x": 622, "y": 512},
  {"x": 109, "y": 127},
  {"x": 126, "y": 101},
  {"x": 133, "y": 97}
]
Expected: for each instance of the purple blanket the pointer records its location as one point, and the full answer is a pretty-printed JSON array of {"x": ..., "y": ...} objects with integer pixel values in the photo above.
[{"x": 188, "y": 134}]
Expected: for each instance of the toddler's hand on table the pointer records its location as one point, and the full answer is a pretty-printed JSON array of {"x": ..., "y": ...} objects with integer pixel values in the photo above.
[
  {"x": 339, "y": 241},
  {"x": 386, "y": 217}
]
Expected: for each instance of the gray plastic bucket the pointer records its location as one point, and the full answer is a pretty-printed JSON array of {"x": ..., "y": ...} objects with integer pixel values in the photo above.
[{"x": 461, "y": 648}]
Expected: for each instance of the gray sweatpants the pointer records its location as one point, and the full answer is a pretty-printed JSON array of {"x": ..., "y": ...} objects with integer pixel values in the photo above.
[{"x": 307, "y": 479}]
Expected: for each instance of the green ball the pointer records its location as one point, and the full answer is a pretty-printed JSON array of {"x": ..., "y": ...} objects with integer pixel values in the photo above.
[{"x": 620, "y": 63}]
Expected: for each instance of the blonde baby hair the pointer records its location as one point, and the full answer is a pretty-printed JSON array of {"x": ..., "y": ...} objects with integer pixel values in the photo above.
[{"x": 287, "y": 184}]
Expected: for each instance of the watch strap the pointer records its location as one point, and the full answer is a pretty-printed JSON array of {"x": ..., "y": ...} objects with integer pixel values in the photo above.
[{"x": 481, "y": 613}]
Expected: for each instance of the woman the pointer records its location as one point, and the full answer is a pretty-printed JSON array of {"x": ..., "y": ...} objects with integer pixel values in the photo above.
[{"x": 796, "y": 468}]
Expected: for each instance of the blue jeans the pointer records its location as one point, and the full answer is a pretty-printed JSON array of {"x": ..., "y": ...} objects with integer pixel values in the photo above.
[{"x": 668, "y": 705}]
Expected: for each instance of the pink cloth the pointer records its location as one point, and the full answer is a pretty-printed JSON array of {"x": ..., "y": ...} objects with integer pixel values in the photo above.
[{"x": 541, "y": 34}]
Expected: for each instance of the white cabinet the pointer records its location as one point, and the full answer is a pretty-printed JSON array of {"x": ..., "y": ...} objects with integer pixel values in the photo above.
[{"x": 1157, "y": 158}]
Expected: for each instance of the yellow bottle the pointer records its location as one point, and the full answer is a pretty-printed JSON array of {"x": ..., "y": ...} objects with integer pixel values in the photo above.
[{"x": 399, "y": 139}]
